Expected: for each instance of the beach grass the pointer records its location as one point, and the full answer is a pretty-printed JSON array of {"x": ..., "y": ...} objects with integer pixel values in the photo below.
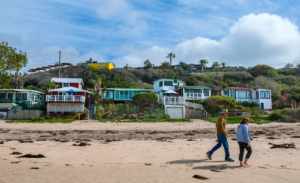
[
  {"x": 54, "y": 120},
  {"x": 145, "y": 121},
  {"x": 237, "y": 119}
]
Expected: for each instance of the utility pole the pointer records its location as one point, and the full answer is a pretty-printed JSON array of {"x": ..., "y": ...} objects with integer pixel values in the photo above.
[{"x": 59, "y": 64}]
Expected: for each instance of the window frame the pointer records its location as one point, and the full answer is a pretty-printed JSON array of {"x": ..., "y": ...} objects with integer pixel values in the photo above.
[
  {"x": 160, "y": 83},
  {"x": 205, "y": 93},
  {"x": 168, "y": 83},
  {"x": 262, "y": 95},
  {"x": 65, "y": 86}
]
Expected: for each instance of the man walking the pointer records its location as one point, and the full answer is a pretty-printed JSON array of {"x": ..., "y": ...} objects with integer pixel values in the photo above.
[{"x": 222, "y": 137}]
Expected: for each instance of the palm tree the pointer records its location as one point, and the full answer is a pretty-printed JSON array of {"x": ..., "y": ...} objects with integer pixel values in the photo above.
[
  {"x": 203, "y": 62},
  {"x": 99, "y": 91},
  {"x": 171, "y": 55},
  {"x": 223, "y": 64}
]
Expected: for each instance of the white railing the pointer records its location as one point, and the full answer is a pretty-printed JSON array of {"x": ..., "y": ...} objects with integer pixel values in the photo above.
[
  {"x": 247, "y": 100},
  {"x": 196, "y": 106},
  {"x": 172, "y": 100},
  {"x": 193, "y": 95},
  {"x": 63, "y": 98}
]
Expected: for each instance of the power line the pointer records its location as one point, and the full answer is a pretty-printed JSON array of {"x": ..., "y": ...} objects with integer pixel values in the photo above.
[
  {"x": 41, "y": 61},
  {"x": 42, "y": 55},
  {"x": 74, "y": 55}
]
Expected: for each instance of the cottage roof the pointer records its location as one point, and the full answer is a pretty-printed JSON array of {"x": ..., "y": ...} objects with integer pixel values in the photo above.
[
  {"x": 69, "y": 88},
  {"x": 21, "y": 90},
  {"x": 67, "y": 80}
]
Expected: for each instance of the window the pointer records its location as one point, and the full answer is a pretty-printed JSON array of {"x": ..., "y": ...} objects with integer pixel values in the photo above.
[
  {"x": 121, "y": 94},
  {"x": 130, "y": 94},
  {"x": 117, "y": 94},
  {"x": 233, "y": 94},
  {"x": 242, "y": 94},
  {"x": 206, "y": 92},
  {"x": 267, "y": 95},
  {"x": 2, "y": 96},
  {"x": 257, "y": 95},
  {"x": 175, "y": 80},
  {"x": 66, "y": 84},
  {"x": 108, "y": 94},
  {"x": 168, "y": 83},
  {"x": 9, "y": 96},
  {"x": 126, "y": 95},
  {"x": 160, "y": 84},
  {"x": 225, "y": 93},
  {"x": 262, "y": 95}
]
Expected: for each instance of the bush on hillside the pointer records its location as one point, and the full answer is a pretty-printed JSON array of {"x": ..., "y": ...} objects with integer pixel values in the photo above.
[
  {"x": 222, "y": 102},
  {"x": 144, "y": 99},
  {"x": 286, "y": 115},
  {"x": 263, "y": 70}
]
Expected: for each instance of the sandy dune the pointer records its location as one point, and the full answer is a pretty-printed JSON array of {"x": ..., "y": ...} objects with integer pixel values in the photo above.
[{"x": 173, "y": 160}]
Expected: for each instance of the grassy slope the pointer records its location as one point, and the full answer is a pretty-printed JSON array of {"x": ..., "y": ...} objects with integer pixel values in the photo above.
[{"x": 146, "y": 121}]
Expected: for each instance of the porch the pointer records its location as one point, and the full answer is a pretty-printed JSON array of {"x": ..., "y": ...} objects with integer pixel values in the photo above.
[{"x": 65, "y": 98}]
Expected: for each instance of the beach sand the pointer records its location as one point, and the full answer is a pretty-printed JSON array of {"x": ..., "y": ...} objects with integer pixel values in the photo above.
[{"x": 146, "y": 152}]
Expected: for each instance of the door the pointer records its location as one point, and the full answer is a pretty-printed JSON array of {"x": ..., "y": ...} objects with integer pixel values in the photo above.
[
  {"x": 262, "y": 106},
  {"x": 175, "y": 112}
]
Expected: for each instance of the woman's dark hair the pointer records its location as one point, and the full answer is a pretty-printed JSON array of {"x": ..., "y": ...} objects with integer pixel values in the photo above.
[{"x": 244, "y": 121}]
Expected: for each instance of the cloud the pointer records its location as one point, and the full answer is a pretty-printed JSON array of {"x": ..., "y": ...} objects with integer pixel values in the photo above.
[
  {"x": 253, "y": 39},
  {"x": 122, "y": 13}
]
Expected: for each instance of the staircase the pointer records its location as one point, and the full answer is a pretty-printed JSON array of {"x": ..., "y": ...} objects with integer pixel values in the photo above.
[
  {"x": 92, "y": 111},
  {"x": 194, "y": 110},
  {"x": 13, "y": 110}
]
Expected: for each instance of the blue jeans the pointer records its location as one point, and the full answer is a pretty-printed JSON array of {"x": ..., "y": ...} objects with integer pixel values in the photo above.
[{"x": 222, "y": 140}]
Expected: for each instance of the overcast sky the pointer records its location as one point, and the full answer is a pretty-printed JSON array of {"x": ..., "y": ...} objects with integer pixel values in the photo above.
[{"x": 237, "y": 32}]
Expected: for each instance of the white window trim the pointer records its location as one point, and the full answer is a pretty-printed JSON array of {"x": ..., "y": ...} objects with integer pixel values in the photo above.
[{"x": 65, "y": 86}]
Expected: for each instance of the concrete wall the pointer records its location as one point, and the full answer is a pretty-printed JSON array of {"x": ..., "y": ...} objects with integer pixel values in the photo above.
[{"x": 26, "y": 114}]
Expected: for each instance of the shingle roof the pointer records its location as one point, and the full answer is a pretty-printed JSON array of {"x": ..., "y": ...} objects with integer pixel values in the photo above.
[{"x": 67, "y": 80}]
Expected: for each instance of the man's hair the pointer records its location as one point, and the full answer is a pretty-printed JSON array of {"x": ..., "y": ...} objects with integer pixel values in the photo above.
[{"x": 244, "y": 121}]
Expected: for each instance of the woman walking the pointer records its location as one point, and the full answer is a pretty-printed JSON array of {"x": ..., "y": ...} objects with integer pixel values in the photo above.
[{"x": 243, "y": 138}]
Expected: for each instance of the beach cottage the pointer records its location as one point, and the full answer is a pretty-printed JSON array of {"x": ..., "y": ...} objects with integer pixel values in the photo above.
[
  {"x": 261, "y": 96},
  {"x": 21, "y": 103},
  {"x": 69, "y": 97}
]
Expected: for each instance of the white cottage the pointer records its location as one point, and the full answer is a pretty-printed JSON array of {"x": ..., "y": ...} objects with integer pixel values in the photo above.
[{"x": 261, "y": 96}]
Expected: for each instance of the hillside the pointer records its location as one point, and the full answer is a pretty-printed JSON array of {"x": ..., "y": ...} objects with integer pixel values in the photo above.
[{"x": 282, "y": 81}]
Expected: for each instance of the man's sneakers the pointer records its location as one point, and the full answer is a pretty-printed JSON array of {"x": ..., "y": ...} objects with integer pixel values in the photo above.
[
  {"x": 208, "y": 155},
  {"x": 229, "y": 160}
]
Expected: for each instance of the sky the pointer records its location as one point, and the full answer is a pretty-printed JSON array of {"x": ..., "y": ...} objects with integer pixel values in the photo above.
[{"x": 237, "y": 32}]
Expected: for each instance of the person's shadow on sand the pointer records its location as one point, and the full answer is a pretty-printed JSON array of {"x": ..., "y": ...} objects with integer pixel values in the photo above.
[
  {"x": 215, "y": 167},
  {"x": 185, "y": 161}
]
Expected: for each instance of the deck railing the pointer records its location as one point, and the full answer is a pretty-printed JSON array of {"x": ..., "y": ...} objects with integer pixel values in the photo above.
[
  {"x": 193, "y": 95},
  {"x": 172, "y": 100},
  {"x": 63, "y": 98}
]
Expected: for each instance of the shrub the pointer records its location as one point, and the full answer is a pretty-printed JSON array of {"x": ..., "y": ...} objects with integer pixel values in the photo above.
[
  {"x": 253, "y": 104},
  {"x": 289, "y": 119},
  {"x": 144, "y": 99},
  {"x": 223, "y": 102},
  {"x": 239, "y": 103},
  {"x": 84, "y": 114},
  {"x": 245, "y": 103}
]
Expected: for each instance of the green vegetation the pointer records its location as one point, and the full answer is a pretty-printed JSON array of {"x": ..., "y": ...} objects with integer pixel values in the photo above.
[
  {"x": 237, "y": 119},
  {"x": 11, "y": 60},
  {"x": 144, "y": 99},
  {"x": 286, "y": 115},
  {"x": 145, "y": 121}
]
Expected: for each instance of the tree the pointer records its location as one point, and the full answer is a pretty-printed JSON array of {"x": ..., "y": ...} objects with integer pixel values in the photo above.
[
  {"x": 171, "y": 55},
  {"x": 165, "y": 64},
  {"x": 223, "y": 64},
  {"x": 266, "y": 82},
  {"x": 99, "y": 91},
  {"x": 263, "y": 70},
  {"x": 216, "y": 103},
  {"x": 298, "y": 65},
  {"x": 144, "y": 99},
  {"x": 183, "y": 65},
  {"x": 148, "y": 64},
  {"x": 215, "y": 64},
  {"x": 50, "y": 85},
  {"x": 10, "y": 60},
  {"x": 288, "y": 66},
  {"x": 203, "y": 63}
]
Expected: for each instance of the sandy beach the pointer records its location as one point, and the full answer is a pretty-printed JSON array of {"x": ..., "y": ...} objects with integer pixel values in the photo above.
[{"x": 143, "y": 152}]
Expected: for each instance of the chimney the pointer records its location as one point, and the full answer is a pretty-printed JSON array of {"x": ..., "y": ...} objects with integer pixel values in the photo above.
[{"x": 220, "y": 87}]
